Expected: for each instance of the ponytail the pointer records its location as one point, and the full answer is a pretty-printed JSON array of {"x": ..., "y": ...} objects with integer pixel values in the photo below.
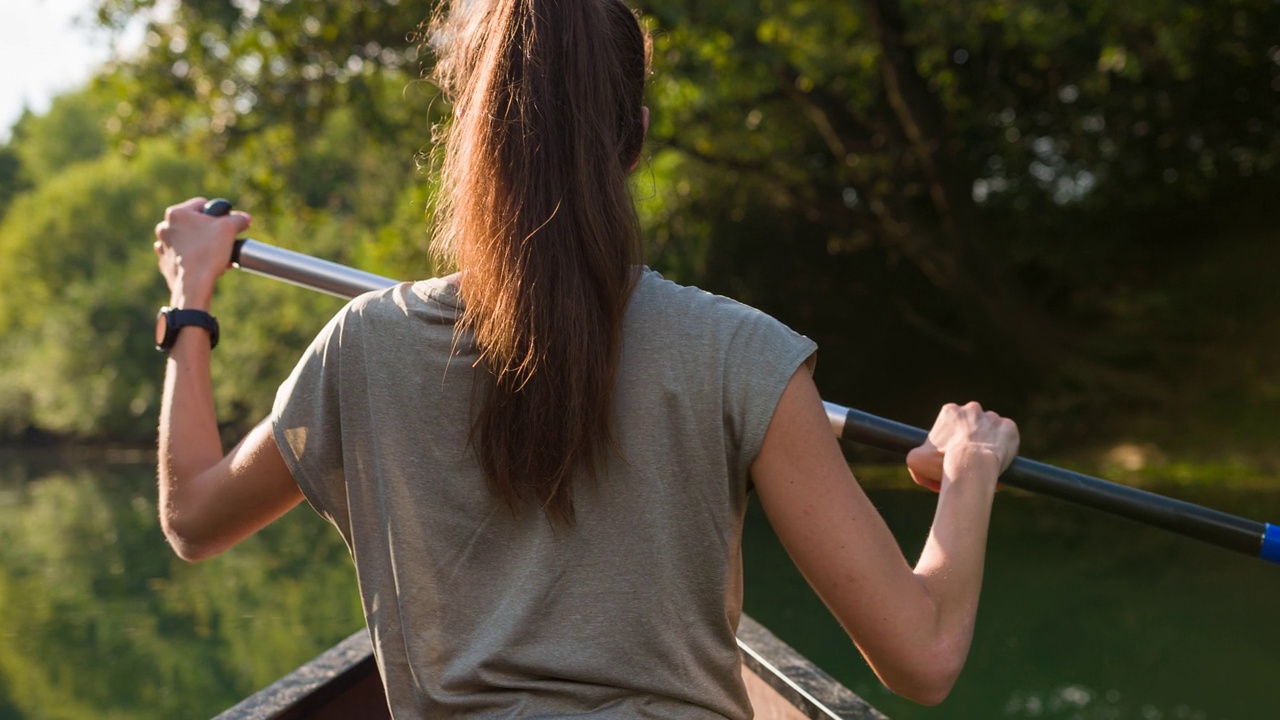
[{"x": 535, "y": 210}]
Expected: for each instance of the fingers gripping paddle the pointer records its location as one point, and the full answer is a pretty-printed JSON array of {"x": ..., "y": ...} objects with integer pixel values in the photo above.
[{"x": 1251, "y": 537}]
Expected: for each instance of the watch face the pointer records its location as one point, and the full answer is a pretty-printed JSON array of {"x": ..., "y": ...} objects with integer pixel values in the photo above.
[{"x": 162, "y": 328}]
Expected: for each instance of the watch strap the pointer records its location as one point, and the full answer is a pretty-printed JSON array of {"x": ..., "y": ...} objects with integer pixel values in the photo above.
[{"x": 178, "y": 318}]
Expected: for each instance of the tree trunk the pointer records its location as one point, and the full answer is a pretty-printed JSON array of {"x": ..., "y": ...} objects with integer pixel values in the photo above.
[{"x": 990, "y": 304}]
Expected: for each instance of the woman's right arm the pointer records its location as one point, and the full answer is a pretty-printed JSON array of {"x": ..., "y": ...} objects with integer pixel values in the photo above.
[{"x": 913, "y": 625}]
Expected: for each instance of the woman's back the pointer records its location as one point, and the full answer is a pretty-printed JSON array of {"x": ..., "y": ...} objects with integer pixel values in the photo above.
[
  {"x": 475, "y": 608},
  {"x": 543, "y": 491}
]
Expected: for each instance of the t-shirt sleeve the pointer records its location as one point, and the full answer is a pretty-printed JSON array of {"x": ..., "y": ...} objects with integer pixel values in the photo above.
[
  {"x": 307, "y": 425},
  {"x": 761, "y": 356}
]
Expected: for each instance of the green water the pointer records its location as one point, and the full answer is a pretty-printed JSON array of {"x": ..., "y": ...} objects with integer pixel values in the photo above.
[{"x": 1082, "y": 616}]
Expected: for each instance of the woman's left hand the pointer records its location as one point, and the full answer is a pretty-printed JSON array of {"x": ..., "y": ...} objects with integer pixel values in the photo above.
[{"x": 194, "y": 249}]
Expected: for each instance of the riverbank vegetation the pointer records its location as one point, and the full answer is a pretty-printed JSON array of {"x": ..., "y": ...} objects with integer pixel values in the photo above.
[{"x": 1063, "y": 209}]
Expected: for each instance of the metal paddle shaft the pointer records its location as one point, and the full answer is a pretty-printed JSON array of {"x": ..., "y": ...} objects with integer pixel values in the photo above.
[
  {"x": 304, "y": 270},
  {"x": 295, "y": 267},
  {"x": 1212, "y": 526}
]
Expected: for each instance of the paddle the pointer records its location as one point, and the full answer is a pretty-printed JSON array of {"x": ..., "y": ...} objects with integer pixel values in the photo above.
[{"x": 1212, "y": 526}]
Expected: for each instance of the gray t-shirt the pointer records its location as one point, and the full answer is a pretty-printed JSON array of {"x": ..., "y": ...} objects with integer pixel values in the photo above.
[{"x": 476, "y": 611}]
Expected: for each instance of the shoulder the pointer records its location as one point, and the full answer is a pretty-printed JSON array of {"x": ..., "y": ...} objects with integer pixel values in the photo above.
[
  {"x": 434, "y": 300},
  {"x": 682, "y": 309},
  {"x": 657, "y": 296}
]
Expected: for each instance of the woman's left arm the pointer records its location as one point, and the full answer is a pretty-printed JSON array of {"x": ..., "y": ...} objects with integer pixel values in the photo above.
[{"x": 208, "y": 502}]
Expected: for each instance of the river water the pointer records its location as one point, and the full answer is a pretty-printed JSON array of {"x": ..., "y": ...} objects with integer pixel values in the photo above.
[{"x": 1083, "y": 616}]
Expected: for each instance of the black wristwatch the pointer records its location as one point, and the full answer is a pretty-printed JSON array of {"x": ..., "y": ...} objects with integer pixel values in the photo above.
[{"x": 170, "y": 320}]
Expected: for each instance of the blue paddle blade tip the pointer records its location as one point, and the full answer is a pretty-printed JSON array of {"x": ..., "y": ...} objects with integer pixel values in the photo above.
[{"x": 1271, "y": 544}]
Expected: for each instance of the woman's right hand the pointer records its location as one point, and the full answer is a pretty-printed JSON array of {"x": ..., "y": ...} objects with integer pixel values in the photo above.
[
  {"x": 914, "y": 625},
  {"x": 956, "y": 433}
]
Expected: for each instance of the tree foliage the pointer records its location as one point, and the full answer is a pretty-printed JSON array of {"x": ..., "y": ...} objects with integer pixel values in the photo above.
[
  {"x": 1021, "y": 176},
  {"x": 1047, "y": 205},
  {"x": 79, "y": 289}
]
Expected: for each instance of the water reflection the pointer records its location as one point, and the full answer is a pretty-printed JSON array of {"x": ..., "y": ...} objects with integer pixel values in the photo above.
[
  {"x": 100, "y": 620},
  {"x": 1083, "y": 616},
  {"x": 1081, "y": 703}
]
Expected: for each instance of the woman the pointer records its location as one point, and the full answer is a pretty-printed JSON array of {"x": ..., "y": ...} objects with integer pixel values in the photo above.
[{"x": 540, "y": 464}]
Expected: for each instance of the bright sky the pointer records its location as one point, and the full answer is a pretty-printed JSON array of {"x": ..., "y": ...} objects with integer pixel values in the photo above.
[{"x": 44, "y": 51}]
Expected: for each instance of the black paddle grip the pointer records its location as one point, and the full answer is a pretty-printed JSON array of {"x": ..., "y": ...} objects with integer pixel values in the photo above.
[{"x": 219, "y": 207}]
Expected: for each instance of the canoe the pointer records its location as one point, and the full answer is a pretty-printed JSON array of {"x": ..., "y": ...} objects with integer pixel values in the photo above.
[{"x": 343, "y": 684}]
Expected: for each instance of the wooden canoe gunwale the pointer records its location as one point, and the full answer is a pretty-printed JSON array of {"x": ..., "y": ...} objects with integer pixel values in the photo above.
[
  {"x": 305, "y": 692},
  {"x": 344, "y": 670},
  {"x": 805, "y": 685}
]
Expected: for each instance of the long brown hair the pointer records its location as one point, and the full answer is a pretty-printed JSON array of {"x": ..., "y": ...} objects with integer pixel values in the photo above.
[{"x": 535, "y": 210}]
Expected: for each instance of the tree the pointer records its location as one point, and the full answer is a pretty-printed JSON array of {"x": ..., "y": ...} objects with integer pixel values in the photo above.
[
  {"x": 1005, "y": 153},
  {"x": 79, "y": 293},
  {"x": 1000, "y": 199}
]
